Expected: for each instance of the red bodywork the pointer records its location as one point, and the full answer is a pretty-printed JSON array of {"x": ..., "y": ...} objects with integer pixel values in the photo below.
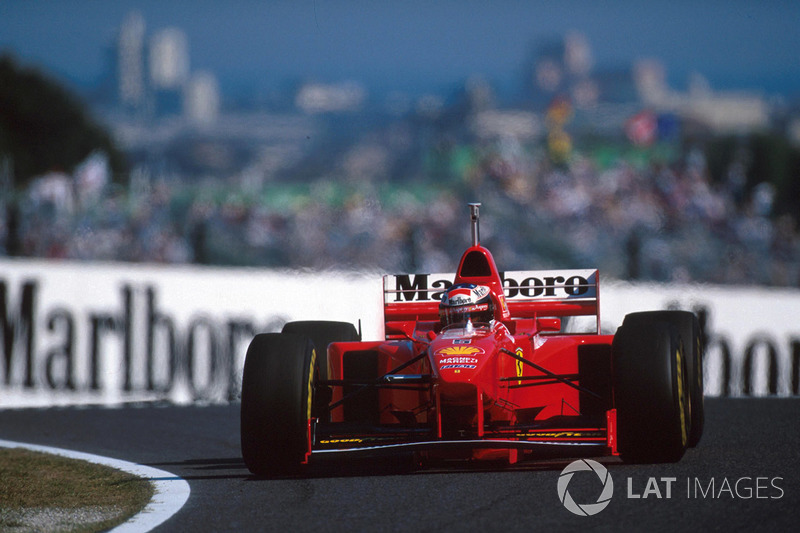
[{"x": 517, "y": 386}]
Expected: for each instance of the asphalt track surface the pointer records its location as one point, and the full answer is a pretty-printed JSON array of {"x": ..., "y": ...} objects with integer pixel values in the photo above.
[{"x": 755, "y": 442}]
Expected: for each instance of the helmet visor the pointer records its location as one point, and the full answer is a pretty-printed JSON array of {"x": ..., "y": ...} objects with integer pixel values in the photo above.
[{"x": 463, "y": 313}]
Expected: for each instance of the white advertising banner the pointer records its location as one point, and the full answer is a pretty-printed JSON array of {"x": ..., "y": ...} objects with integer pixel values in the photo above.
[{"x": 110, "y": 333}]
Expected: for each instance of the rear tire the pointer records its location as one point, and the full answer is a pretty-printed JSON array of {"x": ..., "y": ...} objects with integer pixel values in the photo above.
[
  {"x": 688, "y": 327},
  {"x": 277, "y": 395},
  {"x": 650, "y": 393}
]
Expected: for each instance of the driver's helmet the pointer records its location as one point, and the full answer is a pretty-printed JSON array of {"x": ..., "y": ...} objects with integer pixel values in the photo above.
[{"x": 465, "y": 302}]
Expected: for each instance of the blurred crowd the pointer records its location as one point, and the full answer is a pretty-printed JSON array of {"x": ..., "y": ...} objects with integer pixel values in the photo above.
[{"x": 655, "y": 221}]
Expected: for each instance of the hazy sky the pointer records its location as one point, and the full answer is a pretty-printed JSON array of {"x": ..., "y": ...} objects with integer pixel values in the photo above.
[{"x": 418, "y": 46}]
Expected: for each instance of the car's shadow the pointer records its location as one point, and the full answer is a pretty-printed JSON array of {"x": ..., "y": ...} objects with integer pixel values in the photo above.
[
  {"x": 235, "y": 468},
  {"x": 211, "y": 468}
]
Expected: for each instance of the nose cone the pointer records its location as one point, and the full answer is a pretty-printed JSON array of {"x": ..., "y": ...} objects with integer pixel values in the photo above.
[
  {"x": 454, "y": 362},
  {"x": 458, "y": 366}
]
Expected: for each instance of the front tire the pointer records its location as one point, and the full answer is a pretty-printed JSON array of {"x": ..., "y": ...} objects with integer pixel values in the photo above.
[
  {"x": 277, "y": 396},
  {"x": 688, "y": 327},
  {"x": 322, "y": 333},
  {"x": 650, "y": 393}
]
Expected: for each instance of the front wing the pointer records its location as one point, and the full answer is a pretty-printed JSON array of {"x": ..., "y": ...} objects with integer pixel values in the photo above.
[{"x": 338, "y": 439}]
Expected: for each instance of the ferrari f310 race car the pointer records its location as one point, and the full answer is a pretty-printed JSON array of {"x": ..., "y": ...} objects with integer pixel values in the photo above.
[{"x": 480, "y": 364}]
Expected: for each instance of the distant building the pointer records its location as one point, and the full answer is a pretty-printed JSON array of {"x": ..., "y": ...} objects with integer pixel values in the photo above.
[
  {"x": 650, "y": 77},
  {"x": 329, "y": 98},
  {"x": 154, "y": 75},
  {"x": 169, "y": 59},
  {"x": 577, "y": 55},
  {"x": 169, "y": 69},
  {"x": 564, "y": 68},
  {"x": 201, "y": 100},
  {"x": 132, "y": 89},
  {"x": 725, "y": 112},
  {"x": 720, "y": 112},
  {"x": 608, "y": 98}
]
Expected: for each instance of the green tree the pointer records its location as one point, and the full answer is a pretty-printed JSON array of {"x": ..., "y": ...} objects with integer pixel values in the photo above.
[{"x": 43, "y": 126}]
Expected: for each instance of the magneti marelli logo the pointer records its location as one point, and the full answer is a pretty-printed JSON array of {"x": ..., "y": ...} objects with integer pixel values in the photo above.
[{"x": 585, "y": 509}]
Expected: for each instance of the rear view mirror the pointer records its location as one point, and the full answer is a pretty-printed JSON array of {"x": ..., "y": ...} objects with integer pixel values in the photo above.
[{"x": 548, "y": 324}]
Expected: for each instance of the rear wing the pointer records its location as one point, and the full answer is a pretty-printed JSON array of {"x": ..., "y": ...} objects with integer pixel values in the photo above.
[{"x": 529, "y": 294}]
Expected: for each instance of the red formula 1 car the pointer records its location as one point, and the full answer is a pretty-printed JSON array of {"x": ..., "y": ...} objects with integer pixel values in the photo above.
[{"x": 481, "y": 364}]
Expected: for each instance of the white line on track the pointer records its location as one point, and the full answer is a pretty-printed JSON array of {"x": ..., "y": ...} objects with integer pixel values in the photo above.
[{"x": 170, "y": 491}]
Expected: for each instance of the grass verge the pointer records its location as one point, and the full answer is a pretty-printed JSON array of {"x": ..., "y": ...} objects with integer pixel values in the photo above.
[{"x": 43, "y": 492}]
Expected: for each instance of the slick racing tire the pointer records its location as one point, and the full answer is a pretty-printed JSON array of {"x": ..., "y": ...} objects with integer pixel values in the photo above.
[
  {"x": 322, "y": 333},
  {"x": 651, "y": 393},
  {"x": 688, "y": 328},
  {"x": 278, "y": 383}
]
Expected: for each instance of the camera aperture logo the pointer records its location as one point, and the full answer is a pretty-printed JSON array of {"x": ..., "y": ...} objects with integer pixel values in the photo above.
[{"x": 585, "y": 509}]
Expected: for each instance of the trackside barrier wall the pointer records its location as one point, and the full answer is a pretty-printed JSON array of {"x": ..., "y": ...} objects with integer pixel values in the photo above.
[{"x": 77, "y": 333}]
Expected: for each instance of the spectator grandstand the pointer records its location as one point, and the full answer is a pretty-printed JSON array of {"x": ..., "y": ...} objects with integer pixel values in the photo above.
[{"x": 662, "y": 221}]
